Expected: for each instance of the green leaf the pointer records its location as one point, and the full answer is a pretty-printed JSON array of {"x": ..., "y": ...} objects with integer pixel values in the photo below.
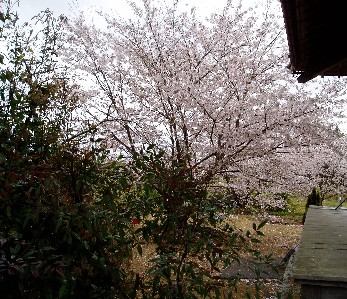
[
  {"x": 8, "y": 212},
  {"x": 47, "y": 248},
  {"x": 262, "y": 224},
  {"x": 86, "y": 245},
  {"x": 14, "y": 251},
  {"x": 62, "y": 291},
  {"x": 14, "y": 233},
  {"x": 255, "y": 240},
  {"x": 259, "y": 233},
  {"x": 29, "y": 254},
  {"x": 3, "y": 156}
]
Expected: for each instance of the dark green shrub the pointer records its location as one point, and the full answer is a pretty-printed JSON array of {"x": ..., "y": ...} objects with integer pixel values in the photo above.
[
  {"x": 193, "y": 243},
  {"x": 313, "y": 198},
  {"x": 65, "y": 229}
]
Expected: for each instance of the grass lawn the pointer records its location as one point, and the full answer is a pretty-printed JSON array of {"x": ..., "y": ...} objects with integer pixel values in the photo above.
[{"x": 332, "y": 202}]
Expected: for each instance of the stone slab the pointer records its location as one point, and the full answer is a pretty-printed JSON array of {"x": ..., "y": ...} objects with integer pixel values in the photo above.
[{"x": 322, "y": 253}]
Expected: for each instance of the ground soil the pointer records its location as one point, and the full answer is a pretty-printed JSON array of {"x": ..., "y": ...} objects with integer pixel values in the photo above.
[{"x": 280, "y": 237}]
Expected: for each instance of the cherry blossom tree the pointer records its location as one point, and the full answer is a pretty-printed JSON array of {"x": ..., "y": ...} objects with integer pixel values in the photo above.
[
  {"x": 328, "y": 169},
  {"x": 214, "y": 95}
]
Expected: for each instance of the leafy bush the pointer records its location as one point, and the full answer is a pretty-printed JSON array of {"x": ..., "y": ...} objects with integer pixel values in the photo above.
[
  {"x": 193, "y": 242},
  {"x": 64, "y": 223}
]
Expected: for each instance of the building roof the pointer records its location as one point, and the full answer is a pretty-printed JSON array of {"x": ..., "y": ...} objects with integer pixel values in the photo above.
[{"x": 316, "y": 33}]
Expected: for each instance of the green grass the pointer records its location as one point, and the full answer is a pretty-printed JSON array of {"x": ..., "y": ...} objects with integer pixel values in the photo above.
[
  {"x": 333, "y": 202},
  {"x": 296, "y": 208}
]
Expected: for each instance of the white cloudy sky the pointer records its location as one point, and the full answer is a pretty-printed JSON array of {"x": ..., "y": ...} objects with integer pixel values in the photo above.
[{"x": 29, "y": 8}]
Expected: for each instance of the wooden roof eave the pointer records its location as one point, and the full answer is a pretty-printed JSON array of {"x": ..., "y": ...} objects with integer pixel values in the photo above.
[
  {"x": 336, "y": 69},
  {"x": 290, "y": 18}
]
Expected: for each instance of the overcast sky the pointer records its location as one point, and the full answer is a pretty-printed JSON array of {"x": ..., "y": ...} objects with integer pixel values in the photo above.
[{"x": 29, "y": 8}]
